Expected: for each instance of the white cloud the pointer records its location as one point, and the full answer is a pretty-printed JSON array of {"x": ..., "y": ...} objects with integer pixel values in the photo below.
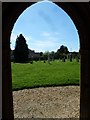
[
  {"x": 43, "y": 45},
  {"x": 50, "y": 42},
  {"x": 13, "y": 37},
  {"x": 46, "y": 34},
  {"x": 56, "y": 33},
  {"x": 12, "y": 41}
]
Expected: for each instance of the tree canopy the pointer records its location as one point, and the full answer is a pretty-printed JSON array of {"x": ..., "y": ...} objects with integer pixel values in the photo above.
[
  {"x": 63, "y": 49},
  {"x": 21, "y": 50},
  {"x": 22, "y": 53}
]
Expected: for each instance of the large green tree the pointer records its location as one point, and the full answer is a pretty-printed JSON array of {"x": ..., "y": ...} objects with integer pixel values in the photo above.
[
  {"x": 62, "y": 51},
  {"x": 21, "y": 50}
]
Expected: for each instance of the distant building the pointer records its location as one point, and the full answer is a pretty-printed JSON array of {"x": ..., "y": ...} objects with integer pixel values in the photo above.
[{"x": 33, "y": 55}]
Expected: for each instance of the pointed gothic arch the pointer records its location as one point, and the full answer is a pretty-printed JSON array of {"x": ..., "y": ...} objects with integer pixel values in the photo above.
[{"x": 79, "y": 13}]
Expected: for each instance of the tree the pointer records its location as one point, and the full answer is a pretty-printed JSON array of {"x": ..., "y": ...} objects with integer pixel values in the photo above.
[
  {"x": 41, "y": 55},
  {"x": 62, "y": 52},
  {"x": 52, "y": 55},
  {"x": 21, "y": 50},
  {"x": 45, "y": 55},
  {"x": 63, "y": 49}
]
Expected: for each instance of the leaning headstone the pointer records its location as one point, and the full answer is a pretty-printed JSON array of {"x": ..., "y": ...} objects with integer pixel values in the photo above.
[
  {"x": 70, "y": 56},
  {"x": 48, "y": 59},
  {"x": 63, "y": 59},
  {"x": 44, "y": 61},
  {"x": 70, "y": 59},
  {"x": 77, "y": 59},
  {"x": 31, "y": 62}
]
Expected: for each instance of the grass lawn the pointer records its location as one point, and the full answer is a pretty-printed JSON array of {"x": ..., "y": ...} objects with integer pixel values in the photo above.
[{"x": 44, "y": 74}]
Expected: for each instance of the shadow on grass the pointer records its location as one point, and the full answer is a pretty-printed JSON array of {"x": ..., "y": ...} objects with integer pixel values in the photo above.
[{"x": 40, "y": 86}]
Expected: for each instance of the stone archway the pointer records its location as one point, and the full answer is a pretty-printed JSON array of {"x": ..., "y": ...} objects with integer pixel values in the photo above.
[{"x": 79, "y": 12}]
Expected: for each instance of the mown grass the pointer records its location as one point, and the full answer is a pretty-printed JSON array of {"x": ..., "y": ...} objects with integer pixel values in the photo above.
[{"x": 44, "y": 74}]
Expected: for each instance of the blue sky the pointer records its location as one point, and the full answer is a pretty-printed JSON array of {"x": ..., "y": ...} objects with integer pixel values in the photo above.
[{"x": 46, "y": 27}]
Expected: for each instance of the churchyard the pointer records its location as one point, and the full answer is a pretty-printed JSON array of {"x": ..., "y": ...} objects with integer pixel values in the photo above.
[{"x": 44, "y": 74}]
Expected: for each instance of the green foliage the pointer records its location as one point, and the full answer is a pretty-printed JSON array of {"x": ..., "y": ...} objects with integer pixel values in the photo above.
[
  {"x": 62, "y": 52},
  {"x": 44, "y": 74},
  {"x": 21, "y": 50},
  {"x": 63, "y": 49}
]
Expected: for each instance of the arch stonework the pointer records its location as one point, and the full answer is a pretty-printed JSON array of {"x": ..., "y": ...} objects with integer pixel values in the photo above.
[{"x": 79, "y": 13}]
